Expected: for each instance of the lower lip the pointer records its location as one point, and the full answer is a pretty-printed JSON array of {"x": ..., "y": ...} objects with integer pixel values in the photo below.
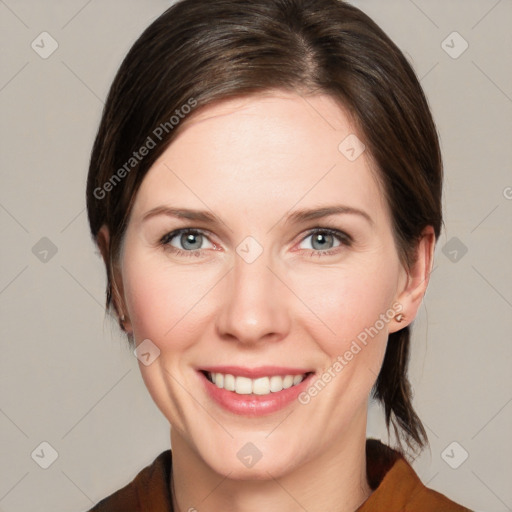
[{"x": 254, "y": 405}]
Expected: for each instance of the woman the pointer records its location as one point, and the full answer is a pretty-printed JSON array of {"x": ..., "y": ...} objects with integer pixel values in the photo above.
[{"x": 265, "y": 189}]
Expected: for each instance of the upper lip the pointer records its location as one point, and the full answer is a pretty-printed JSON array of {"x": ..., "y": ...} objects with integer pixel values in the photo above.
[{"x": 254, "y": 373}]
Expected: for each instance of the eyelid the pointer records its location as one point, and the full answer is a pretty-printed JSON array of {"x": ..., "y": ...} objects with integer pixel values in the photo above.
[
  {"x": 177, "y": 232},
  {"x": 344, "y": 238},
  {"x": 338, "y": 233}
]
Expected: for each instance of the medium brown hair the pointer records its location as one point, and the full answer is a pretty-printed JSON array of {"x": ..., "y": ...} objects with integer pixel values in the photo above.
[{"x": 199, "y": 52}]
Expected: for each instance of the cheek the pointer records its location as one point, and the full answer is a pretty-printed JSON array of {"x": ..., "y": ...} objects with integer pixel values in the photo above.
[
  {"x": 344, "y": 302},
  {"x": 147, "y": 301},
  {"x": 163, "y": 299},
  {"x": 354, "y": 310},
  {"x": 164, "y": 305}
]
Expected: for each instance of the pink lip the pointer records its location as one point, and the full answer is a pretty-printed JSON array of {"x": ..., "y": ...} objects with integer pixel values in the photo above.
[
  {"x": 254, "y": 405},
  {"x": 254, "y": 373}
]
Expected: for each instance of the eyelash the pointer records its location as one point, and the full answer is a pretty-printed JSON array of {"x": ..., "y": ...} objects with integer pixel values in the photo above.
[{"x": 343, "y": 238}]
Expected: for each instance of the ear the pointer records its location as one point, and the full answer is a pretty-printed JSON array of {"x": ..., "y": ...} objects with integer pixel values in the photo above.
[
  {"x": 413, "y": 287},
  {"x": 116, "y": 281}
]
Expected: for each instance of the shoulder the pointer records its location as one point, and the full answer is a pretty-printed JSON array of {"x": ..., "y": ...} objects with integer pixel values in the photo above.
[
  {"x": 148, "y": 491},
  {"x": 421, "y": 498},
  {"x": 397, "y": 488}
]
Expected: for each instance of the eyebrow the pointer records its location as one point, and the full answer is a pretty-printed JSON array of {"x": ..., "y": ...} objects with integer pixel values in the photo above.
[
  {"x": 297, "y": 217},
  {"x": 318, "y": 213}
]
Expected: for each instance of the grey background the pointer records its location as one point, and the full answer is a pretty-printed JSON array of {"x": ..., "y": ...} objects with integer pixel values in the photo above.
[{"x": 67, "y": 377}]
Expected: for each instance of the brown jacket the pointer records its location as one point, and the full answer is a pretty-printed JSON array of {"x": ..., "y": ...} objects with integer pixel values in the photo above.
[{"x": 396, "y": 487}]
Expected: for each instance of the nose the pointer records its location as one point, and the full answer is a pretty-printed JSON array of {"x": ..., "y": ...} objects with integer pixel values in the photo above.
[{"x": 254, "y": 307}]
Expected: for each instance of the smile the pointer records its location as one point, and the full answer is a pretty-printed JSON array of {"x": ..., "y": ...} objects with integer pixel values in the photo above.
[{"x": 254, "y": 392}]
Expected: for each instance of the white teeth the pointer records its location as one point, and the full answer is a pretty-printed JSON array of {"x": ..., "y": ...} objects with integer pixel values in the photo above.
[
  {"x": 288, "y": 382},
  {"x": 243, "y": 386},
  {"x": 219, "y": 380},
  {"x": 229, "y": 382},
  {"x": 259, "y": 386},
  {"x": 276, "y": 383},
  {"x": 297, "y": 379}
]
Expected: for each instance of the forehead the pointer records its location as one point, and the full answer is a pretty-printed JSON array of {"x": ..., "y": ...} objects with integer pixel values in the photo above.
[{"x": 262, "y": 151}]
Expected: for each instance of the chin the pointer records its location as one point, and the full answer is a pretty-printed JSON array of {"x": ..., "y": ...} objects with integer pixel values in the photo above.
[
  {"x": 261, "y": 470},
  {"x": 245, "y": 460}
]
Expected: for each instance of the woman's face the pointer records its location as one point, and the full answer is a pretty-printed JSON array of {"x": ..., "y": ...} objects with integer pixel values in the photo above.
[{"x": 254, "y": 292}]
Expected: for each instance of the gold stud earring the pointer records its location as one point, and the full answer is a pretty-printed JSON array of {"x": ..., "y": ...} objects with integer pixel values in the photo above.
[{"x": 399, "y": 317}]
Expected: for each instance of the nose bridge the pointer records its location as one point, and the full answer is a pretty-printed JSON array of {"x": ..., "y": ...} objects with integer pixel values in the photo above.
[{"x": 254, "y": 307}]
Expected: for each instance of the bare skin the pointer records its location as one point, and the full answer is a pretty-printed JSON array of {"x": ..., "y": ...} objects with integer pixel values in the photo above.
[{"x": 301, "y": 303}]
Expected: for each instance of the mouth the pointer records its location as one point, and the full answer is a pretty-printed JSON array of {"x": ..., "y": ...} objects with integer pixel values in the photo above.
[{"x": 254, "y": 392}]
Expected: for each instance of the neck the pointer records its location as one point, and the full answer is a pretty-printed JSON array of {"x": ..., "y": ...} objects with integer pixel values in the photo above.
[{"x": 334, "y": 480}]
